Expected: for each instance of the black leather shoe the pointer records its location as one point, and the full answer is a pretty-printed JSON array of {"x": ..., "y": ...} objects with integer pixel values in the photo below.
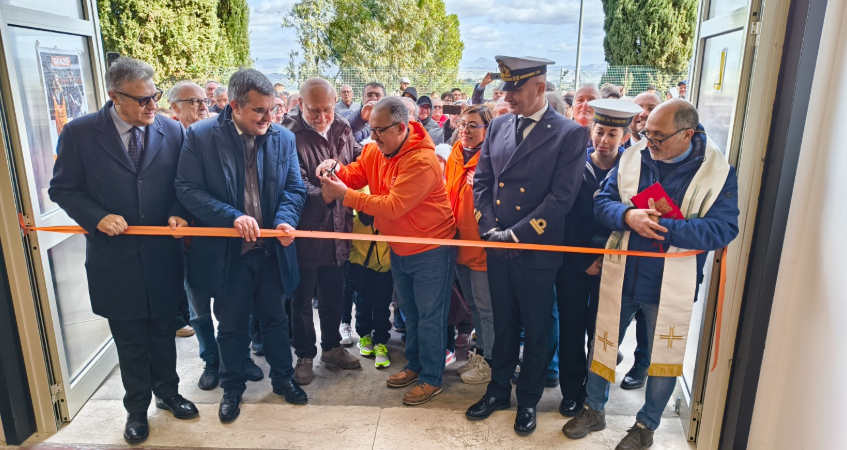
[
  {"x": 569, "y": 408},
  {"x": 292, "y": 393},
  {"x": 525, "y": 421},
  {"x": 620, "y": 358},
  {"x": 633, "y": 380},
  {"x": 137, "y": 429},
  {"x": 485, "y": 406},
  {"x": 254, "y": 373},
  {"x": 211, "y": 377},
  {"x": 230, "y": 407},
  {"x": 179, "y": 406},
  {"x": 551, "y": 382}
]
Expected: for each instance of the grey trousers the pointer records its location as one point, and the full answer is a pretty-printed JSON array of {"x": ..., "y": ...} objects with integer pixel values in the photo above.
[{"x": 475, "y": 288}]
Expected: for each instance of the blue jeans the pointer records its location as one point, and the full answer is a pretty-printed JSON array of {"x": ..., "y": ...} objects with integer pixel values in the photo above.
[
  {"x": 201, "y": 320},
  {"x": 553, "y": 348},
  {"x": 423, "y": 283},
  {"x": 659, "y": 389}
]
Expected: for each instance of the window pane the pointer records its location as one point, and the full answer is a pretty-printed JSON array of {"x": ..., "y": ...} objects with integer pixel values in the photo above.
[
  {"x": 70, "y": 8},
  {"x": 719, "y": 8},
  {"x": 83, "y": 332},
  {"x": 719, "y": 85},
  {"x": 55, "y": 81}
]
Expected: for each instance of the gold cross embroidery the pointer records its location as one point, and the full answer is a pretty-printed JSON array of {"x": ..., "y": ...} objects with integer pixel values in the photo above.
[
  {"x": 670, "y": 337},
  {"x": 605, "y": 340}
]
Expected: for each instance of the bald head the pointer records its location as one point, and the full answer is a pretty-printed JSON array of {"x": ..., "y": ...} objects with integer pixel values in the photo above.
[
  {"x": 648, "y": 102},
  {"x": 317, "y": 103},
  {"x": 674, "y": 123},
  {"x": 583, "y": 114}
]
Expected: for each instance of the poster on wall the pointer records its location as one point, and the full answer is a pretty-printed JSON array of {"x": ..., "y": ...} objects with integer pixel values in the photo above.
[{"x": 63, "y": 86}]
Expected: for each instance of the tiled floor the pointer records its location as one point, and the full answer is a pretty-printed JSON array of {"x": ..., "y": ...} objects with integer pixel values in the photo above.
[{"x": 347, "y": 410}]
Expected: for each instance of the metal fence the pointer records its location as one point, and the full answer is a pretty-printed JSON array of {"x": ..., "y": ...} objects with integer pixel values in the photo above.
[{"x": 634, "y": 79}]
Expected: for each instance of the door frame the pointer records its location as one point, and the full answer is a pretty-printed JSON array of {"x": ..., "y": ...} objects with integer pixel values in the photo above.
[{"x": 53, "y": 395}]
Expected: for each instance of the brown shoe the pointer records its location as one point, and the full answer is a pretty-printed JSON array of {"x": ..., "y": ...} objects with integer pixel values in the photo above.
[
  {"x": 303, "y": 372},
  {"x": 339, "y": 357},
  {"x": 186, "y": 331},
  {"x": 402, "y": 378},
  {"x": 421, "y": 393}
]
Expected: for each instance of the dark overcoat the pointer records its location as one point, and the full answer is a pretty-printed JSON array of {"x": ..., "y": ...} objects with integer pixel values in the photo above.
[{"x": 129, "y": 277}]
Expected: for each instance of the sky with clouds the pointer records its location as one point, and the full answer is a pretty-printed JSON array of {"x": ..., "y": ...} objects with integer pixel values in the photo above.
[{"x": 540, "y": 28}]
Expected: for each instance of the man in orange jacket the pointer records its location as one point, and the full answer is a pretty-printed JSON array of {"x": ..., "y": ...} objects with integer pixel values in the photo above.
[{"x": 407, "y": 198}]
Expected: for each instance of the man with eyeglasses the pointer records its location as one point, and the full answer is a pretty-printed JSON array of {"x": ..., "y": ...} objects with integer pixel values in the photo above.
[
  {"x": 115, "y": 169},
  {"x": 407, "y": 198},
  {"x": 320, "y": 135},
  {"x": 346, "y": 106},
  {"x": 240, "y": 170},
  {"x": 374, "y": 92},
  {"x": 676, "y": 154},
  {"x": 189, "y": 103}
]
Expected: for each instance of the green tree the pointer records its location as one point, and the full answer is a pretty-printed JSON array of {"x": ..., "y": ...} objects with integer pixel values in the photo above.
[
  {"x": 376, "y": 40},
  {"x": 657, "y": 33},
  {"x": 186, "y": 39}
]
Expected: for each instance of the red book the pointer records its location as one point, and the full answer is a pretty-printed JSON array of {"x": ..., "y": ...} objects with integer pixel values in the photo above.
[{"x": 662, "y": 201}]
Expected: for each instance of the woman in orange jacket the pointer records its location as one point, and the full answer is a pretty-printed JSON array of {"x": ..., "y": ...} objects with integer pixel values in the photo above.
[{"x": 471, "y": 264}]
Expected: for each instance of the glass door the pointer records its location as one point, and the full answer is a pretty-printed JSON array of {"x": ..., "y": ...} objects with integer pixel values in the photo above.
[
  {"x": 54, "y": 65},
  {"x": 723, "y": 58}
]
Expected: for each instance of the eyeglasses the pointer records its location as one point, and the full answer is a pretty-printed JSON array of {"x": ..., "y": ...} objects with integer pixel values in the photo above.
[
  {"x": 144, "y": 101},
  {"x": 196, "y": 102},
  {"x": 470, "y": 126},
  {"x": 378, "y": 131},
  {"x": 261, "y": 112},
  {"x": 315, "y": 112},
  {"x": 658, "y": 142}
]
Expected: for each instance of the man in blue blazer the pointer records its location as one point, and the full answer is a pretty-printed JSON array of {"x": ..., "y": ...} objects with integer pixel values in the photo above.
[
  {"x": 240, "y": 170},
  {"x": 529, "y": 172},
  {"x": 116, "y": 168}
]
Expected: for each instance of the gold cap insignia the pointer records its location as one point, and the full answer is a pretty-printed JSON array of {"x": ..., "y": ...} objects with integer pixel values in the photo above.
[
  {"x": 505, "y": 72},
  {"x": 538, "y": 225}
]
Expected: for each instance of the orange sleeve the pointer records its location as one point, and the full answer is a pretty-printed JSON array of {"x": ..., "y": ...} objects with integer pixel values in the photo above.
[
  {"x": 415, "y": 181},
  {"x": 354, "y": 175}
]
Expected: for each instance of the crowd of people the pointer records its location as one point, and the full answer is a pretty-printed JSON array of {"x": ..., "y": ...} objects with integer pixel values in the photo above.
[{"x": 529, "y": 166}]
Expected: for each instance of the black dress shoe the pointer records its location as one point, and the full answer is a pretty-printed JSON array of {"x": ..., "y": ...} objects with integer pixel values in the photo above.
[
  {"x": 620, "y": 358},
  {"x": 569, "y": 408},
  {"x": 525, "y": 421},
  {"x": 137, "y": 429},
  {"x": 211, "y": 377},
  {"x": 487, "y": 405},
  {"x": 551, "y": 382},
  {"x": 633, "y": 380},
  {"x": 179, "y": 406},
  {"x": 292, "y": 393},
  {"x": 230, "y": 407},
  {"x": 254, "y": 373}
]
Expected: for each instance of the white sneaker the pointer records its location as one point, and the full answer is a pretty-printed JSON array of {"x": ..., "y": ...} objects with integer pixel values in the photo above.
[
  {"x": 450, "y": 358},
  {"x": 346, "y": 334},
  {"x": 470, "y": 365},
  {"x": 479, "y": 374}
]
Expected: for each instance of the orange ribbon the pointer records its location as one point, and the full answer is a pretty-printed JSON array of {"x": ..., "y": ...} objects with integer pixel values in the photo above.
[{"x": 233, "y": 233}]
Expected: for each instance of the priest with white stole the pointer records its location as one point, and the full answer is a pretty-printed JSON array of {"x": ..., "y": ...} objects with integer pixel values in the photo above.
[{"x": 690, "y": 203}]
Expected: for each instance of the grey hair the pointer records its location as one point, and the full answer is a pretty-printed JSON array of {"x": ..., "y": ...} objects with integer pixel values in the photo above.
[
  {"x": 556, "y": 101},
  {"x": 246, "y": 80},
  {"x": 685, "y": 115},
  {"x": 397, "y": 109},
  {"x": 209, "y": 82},
  {"x": 126, "y": 69},
  {"x": 415, "y": 107},
  {"x": 220, "y": 90},
  {"x": 174, "y": 92}
]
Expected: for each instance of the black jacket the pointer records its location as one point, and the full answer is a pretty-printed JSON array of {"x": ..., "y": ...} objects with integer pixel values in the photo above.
[{"x": 129, "y": 277}]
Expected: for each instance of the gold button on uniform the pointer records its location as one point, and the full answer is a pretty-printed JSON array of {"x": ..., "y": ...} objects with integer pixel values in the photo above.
[
  {"x": 518, "y": 208},
  {"x": 496, "y": 219},
  {"x": 498, "y": 202},
  {"x": 523, "y": 190},
  {"x": 502, "y": 184}
]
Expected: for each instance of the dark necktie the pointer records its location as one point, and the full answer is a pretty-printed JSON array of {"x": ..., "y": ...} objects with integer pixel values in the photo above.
[
  {"x": 135, "y": 149},
  {"x": 523, "y": 122}
]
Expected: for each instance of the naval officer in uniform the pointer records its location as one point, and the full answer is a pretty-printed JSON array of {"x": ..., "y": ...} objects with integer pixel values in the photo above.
[{"x": 529, "y": 173}]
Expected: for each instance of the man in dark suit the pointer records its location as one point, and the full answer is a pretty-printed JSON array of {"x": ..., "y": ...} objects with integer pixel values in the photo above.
[
  {"x": 115, "y": 168},
  {"x": 240, "y": 170},
  {"x": 529, "y": 172}
]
